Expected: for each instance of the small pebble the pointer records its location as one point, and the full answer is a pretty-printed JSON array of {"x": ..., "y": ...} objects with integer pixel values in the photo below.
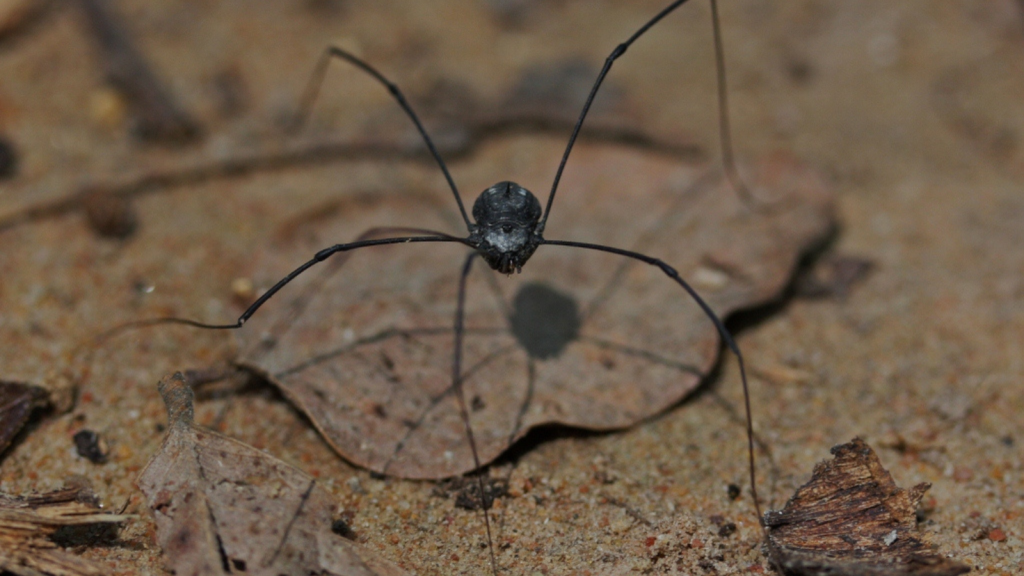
[
  {"x": 91, "y": 446},
  {"x": 963, "y": 474},
  {"x": 243, "y": 290},
  {"x": 733, "y": 491},
  {"x": 109, "y": 215},
  {"x": 341, "y": 528},
  {"x": 107, "y": 108},
  {"x": 996, "y": 535}
]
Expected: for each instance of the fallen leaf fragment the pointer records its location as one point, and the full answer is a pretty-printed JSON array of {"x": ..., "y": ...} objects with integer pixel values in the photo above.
[
  {"x": 28, "y": 522},
  {"x": 17, "y": 401},
  {"x": 851, "y": 519},
  {"x": 224, "y": 507}
]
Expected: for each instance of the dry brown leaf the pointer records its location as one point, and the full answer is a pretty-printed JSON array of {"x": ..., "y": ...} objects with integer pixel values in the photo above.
[
  {"x": 222, "y": 506},
  {"x": 28, "y": 522},
  {"x": 851, "y": 519},
  {"x": 588, "y": 339},
  {"x": 17, "y": 401}
]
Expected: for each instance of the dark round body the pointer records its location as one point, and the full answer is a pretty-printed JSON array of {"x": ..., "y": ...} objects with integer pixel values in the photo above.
[{"x": 505, "y": 233}]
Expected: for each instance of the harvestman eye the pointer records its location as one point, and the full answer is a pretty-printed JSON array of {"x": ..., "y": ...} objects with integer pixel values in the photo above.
[{"x": 507, "y": 228}]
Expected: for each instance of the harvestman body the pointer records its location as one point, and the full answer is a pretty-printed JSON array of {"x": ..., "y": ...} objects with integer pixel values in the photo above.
[{"x": 507, "y": 228}]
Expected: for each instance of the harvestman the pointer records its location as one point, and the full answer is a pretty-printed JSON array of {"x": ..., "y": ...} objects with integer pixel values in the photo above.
[{"x": 508, "y": 227}]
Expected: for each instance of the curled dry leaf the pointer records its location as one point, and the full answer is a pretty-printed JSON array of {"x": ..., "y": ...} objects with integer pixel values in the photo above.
[
  {"x": 851, "y": 519},
  {"x": 222, "y": 506},
  {"x": 17, "y": 401},
  {"x": 578, "y": 338},
  {"x": 27, "y": 524}
]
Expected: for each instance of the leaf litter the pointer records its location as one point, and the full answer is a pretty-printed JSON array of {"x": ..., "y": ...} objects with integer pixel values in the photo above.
[
  {"x": 29, "y": 526},
  {"x": 224, "y": 507}
]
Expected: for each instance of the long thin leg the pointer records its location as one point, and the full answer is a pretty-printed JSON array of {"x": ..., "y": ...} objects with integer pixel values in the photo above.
[
  {"x": 722, "y": 331},
  {"x": 317, "y": 258},
  {"x": 460, "y": 311},
  {"x": 317, "y": 79},
  {"x": 724, "y": 130},
  {"x": 302, "y": 301},
  {"x": 414, "y": 427},
  {"x": 618, "y": 51},
  {"x": 723, "y": 107},
  {"x": 645, "y": 239}
]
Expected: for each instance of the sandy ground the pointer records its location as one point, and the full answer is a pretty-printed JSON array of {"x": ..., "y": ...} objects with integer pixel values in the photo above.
[{"x": 911, "y": 111}]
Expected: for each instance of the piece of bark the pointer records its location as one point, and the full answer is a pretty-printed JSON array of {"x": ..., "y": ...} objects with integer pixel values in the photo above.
[
  {"x": 17, "y": 401},
  {"x": 224, "y": 507},
  {"x": 28, "y": 523},
  {"x": 851, "y": 519},
  {"x": 367, "y": 352}
]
